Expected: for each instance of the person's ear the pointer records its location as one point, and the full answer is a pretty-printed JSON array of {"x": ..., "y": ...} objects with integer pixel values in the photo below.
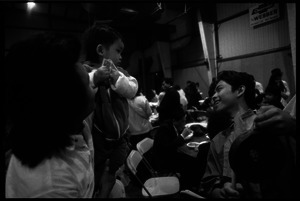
[
  {"x": 241, "y": 90},
  {"x": 99, "y": 50}
]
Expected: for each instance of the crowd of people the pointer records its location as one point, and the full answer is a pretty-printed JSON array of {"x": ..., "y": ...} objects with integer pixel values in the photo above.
[{"x": 71, "y": 137}]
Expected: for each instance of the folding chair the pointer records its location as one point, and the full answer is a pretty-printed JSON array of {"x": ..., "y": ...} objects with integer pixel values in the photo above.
[
  {"x": 144, "y": 145},
  {"x": 118, "y": 190},
  {"x": 153, "y": 186}
]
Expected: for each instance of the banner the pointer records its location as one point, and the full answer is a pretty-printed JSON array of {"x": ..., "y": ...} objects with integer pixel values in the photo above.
[{"x": 263, "y": 13}]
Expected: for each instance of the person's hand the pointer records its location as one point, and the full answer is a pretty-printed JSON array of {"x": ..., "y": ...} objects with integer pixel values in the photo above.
[
  {"x": 228, "y": 191},
  {"x": 275, "y": 118},
  {"x": 114, "y": 75},
  {"x": 101, "y": 75}
]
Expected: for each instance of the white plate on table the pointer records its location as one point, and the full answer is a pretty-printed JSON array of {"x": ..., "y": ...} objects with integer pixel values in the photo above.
[{"x": 203, "y": 124}]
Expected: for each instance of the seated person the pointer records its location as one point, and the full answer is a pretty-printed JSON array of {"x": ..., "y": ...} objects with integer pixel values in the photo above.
[
  {"x": 235, "y": 94},
  {"x": 170, "y": 135},
  {"x": 139, "y": 118}
]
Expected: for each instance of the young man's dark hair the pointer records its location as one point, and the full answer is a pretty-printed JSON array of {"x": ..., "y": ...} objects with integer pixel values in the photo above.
[{"x": 237, "y": 79}]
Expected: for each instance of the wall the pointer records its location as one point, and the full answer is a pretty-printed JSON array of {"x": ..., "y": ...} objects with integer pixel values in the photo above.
[
  {"x": 195, "y": 74},
  {"x": 254, "y": 50},
  {"x": 243, "y": 48},
  {"x": 187, "y": 53}
]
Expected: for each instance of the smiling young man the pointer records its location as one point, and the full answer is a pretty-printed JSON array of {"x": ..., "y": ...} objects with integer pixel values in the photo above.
[{"x": 235, "y": 95}]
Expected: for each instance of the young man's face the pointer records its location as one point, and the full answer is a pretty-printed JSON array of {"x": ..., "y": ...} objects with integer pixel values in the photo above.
[
  {"x": 224, "y": 98},
  {"x": 114, "y": 52}
]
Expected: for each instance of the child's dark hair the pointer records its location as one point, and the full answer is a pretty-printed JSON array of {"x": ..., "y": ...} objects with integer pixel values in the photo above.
[
  {"x": 45, "y": 96},
  {"x": 95, "y": 35},
  {"x": 237, "y": 79}
]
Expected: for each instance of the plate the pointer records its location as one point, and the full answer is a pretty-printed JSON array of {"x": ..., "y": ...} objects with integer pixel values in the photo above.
[
  {"x": 203, "y": 124},
  {"x": 196, "y": 144},
  {"x": 193, "y": 144}
]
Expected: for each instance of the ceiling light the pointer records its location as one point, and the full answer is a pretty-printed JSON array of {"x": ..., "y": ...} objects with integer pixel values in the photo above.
[{"x": 30, "y": 5}]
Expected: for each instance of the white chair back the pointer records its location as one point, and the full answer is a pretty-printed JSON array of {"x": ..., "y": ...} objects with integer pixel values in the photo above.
[
  {"x": 145, "y": 145},
  {"x": 118, "y": 190},
  {"x": 133, "y": 160},
  {"x": 154, "y": 186}
]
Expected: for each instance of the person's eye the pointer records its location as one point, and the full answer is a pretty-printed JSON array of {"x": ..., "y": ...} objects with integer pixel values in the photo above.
[{"x": 218, "y": 88}]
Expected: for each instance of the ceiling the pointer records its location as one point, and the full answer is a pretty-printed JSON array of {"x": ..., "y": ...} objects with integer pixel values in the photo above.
[
  {"x": 118, "y": 13},
  {"x": 140, "y": 23}
]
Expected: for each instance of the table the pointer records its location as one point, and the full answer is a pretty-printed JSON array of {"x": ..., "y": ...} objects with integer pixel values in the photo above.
[{"x": 193, "y": 152}]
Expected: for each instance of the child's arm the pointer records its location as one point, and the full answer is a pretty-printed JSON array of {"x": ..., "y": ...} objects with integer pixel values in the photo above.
[{"x": 126, "y": 86}]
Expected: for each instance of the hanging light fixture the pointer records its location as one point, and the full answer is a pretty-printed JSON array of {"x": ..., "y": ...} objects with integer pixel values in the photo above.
[{"x": 30, "y": 5}]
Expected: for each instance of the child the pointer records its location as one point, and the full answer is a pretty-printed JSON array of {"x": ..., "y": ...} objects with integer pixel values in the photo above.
[
  {"x": 51, "y": 144},
  {"x": 113, "y": 87}
]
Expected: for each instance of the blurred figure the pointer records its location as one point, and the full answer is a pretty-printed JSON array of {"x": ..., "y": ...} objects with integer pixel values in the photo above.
[
  {"x": 198, "y": 88},
  {"x": 170, "y": 135},
  {"x": 50, "y": 133},
  {"x": 167, "y": 84},
  {"x": 259, "y": 93},
  {"x": 155, "y": 96},
  {"x": 183, "y": 99},
  {"x": 139, "y": 114},
  {"x": 193, "y": 97},
  {"x": 277, "y": 91},
  {"x": 168, "y": 104}
]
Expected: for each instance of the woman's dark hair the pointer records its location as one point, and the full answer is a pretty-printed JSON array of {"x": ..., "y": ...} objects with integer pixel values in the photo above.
[
  {"x": 169, "y": 105},
  {"x": 45, "y": 96},
  {"x": 169, "y": 81},
  {"x": 95, "y": 35},
  {"x": 237, "y": 79}
]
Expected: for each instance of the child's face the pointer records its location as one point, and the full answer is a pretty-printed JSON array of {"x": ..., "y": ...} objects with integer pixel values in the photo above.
[
  {"x": 114, "y": 52},
  {"x": 224, "y": 98}
]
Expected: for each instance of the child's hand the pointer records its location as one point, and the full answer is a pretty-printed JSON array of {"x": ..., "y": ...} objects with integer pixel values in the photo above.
[
  {"x": 114, "y": 75},
  {"x": 101, "y": 75}
]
